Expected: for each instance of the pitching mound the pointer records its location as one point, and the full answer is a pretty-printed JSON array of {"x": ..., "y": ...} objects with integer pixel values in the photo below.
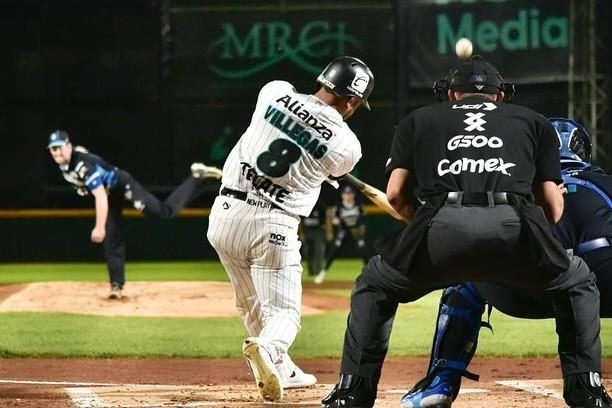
[{"x": 167, "y": 299}]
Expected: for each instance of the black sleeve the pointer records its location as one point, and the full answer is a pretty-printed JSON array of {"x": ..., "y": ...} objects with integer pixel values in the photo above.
[
  {"x": 401, "y": 156},
  {"x": 548, "y": 161}
]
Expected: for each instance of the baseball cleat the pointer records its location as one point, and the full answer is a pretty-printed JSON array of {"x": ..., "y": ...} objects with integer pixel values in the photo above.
[
  {"x": 266, "y": 375},
  {"x": 585, "y": 390},
  {"x": 439, "y": 393},
  {"x": 299, "y": 379},
  {"x": 320, "y": 278},
  {"x": 350, "y": 392},
  {"x": 202, "y": 171},
  {"x": 115, "y": 293}
]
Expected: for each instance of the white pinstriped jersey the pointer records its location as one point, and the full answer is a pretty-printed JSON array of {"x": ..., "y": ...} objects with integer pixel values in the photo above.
[{"x": 292, "y": 145}]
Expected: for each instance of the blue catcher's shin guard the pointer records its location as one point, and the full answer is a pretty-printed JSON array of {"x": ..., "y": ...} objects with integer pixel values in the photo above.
[{"x": 455, "y": 340}]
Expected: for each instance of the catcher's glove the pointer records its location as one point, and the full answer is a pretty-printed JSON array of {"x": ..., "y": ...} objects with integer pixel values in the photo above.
[{"x": 202, "y": 171}]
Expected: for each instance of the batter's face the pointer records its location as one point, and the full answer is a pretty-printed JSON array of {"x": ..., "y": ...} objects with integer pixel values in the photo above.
[{"x": 61, "y": 154}]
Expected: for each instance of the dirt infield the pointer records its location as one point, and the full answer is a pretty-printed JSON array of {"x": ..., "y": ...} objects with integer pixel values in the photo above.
[
  {"x": 160, "y": 299},
  {"x": 140, "y": 383}
]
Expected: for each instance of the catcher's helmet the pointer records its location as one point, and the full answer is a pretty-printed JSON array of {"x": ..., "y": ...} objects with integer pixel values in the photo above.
[
  {"x": 574, "y": 141},
  {"x": 348, "y": 76},
  {"x": 474, "y": 75}
]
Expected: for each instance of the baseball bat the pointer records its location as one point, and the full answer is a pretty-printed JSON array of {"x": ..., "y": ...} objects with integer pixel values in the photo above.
[{"x": 375, "y": 195}]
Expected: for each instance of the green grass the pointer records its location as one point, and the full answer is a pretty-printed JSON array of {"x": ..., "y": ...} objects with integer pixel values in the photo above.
[
  {"x": 141, "y": 271},
  {"x": 73, "y": 335},
  {"x": 135, "y": 271}
]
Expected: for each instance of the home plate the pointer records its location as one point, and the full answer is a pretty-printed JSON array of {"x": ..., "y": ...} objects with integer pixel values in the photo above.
[{"x": 462, "y": 391}]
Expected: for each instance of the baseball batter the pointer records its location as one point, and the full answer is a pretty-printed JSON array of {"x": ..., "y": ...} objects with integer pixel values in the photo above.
[{"x": 271, "y": 177}]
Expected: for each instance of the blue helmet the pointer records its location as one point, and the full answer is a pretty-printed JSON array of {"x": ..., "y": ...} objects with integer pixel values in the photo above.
[{"x": 575, "y": 142}]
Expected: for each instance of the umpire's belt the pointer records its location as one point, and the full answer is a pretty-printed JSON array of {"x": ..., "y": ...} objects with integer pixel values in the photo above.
[
  {"x": 242, "y": 196},
  {"x": 484, "y": 199},
  {"x": 593, "y": 244}
]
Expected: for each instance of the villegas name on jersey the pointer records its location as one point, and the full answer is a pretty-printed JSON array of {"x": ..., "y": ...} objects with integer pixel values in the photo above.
[{"x": 295, "y": 132}]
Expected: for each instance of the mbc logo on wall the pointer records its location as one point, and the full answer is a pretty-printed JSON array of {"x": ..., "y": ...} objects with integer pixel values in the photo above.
[
  {"x": 223, "y": 53},
  {"x": 243, "y": 52}
]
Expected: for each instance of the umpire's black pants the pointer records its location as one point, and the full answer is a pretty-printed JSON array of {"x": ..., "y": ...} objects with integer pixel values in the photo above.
[
  {"x": 469, "y": 244},
  {"x": 129, "y": 190}
]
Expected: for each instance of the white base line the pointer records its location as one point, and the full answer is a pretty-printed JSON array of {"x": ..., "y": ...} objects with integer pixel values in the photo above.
[
  {"x": 531, "y": 387},
  {"x": 86, "y": 384},
  {"x": 84, "y": 398}
]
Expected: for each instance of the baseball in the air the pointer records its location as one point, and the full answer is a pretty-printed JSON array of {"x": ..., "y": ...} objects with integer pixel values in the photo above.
[{"x": 464, "y": 48}]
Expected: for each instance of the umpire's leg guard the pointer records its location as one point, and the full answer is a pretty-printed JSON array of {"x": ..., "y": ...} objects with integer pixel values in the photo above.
[{"x": 454, "y": 344}]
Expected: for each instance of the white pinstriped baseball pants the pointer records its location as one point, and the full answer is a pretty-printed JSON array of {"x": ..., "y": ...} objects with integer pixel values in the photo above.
[{"x": 260, "y": 250}]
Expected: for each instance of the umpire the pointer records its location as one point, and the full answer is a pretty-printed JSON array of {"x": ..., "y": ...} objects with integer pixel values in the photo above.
[
  {"x": 584, "y": 228},
  {"x": 476, "y": 164}
]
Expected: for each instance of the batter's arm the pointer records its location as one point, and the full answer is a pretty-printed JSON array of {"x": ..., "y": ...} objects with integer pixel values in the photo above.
[
  {"x": 99, "y": 232},
  {"x": 397, "y": 193}
]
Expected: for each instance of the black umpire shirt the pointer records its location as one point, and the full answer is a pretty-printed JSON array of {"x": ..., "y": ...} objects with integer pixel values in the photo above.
[{"x": 476, "y": 145}]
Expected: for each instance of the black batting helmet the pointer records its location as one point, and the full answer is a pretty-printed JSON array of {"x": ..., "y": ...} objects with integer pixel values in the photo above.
[{"x": 348, "y": 76}]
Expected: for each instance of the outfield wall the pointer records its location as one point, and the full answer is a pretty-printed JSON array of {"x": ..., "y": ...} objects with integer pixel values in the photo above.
[{"x": 63, "y": 235}]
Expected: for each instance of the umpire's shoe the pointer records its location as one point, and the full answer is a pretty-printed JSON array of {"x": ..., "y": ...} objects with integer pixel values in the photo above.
[
  {"x": 439, "y": 392},
  {"x": 266, "y": 375},
  {"x": 351, "y": 392},
  {"x": 585, "y": 390}
]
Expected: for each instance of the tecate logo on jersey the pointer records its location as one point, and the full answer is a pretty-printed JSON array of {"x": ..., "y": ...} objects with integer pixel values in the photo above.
[
  {"x": 264, "y": 184},
  {"x": 476, "y": 141},
  {"x": 474, "y": 166}
]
